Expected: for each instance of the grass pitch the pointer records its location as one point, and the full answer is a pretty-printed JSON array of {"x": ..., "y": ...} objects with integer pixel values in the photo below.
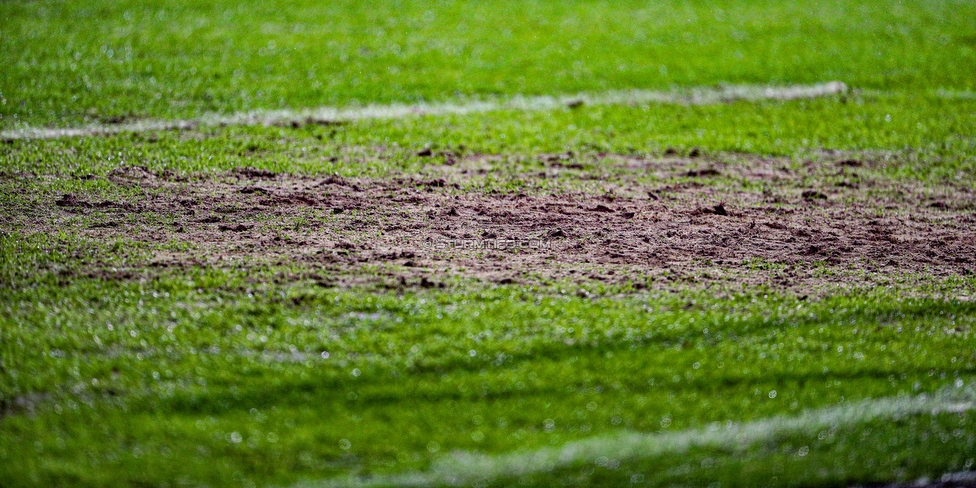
[{"x": 742, "y": 293}]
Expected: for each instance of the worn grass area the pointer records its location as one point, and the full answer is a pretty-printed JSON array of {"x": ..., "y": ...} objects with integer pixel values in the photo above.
[
  {"x": 250, "y": 306},
  {"x": 218, "y": 328},
  {"x": 632, "y": 222}
]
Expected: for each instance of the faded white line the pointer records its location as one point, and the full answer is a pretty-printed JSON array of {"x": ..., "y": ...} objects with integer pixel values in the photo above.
[
  {"x": 957, "y": 94},
  {"x": 465, "y": 469},
  {"x": 694, "y": 96}
]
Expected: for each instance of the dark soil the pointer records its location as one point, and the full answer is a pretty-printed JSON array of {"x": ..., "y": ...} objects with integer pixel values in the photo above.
[{"x": 682, "y": 233}]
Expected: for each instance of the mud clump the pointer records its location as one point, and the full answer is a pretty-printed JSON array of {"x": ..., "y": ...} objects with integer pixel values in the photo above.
[
  {"x": 254, "y": 173},
  {"x": 702, "y": 173},
  {"x": 717, "y": 210},
  {"x": 235, "y": 227},
  {"x": 813, "y": 195}
]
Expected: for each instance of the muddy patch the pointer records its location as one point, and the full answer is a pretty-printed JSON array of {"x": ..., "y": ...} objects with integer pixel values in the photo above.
[{"x": 766, "y": 224}]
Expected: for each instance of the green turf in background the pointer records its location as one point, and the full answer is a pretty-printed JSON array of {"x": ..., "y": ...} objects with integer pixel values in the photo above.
[{"x": 67, "y": 62}]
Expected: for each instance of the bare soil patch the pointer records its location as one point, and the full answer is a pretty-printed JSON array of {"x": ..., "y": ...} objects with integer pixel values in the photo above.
[{"x": 762, "y": 224}]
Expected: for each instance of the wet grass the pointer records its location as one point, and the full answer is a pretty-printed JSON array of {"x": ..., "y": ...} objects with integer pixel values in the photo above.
[
  {"x": 248, "y": 374},
  {"x": 113, "y": 373},
  {"x": 928, "y": 138},
  {"x": 75, "y": 61},
  {"x": 827, "y": 458},
  {"x": 217, "y": 377},
  {"x": 222, "y": 377}
]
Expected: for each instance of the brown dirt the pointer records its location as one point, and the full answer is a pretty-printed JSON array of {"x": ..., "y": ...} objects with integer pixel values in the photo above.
[{"x": 764, "y": 224}]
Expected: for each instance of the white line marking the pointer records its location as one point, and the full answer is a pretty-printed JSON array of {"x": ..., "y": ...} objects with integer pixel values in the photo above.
[
  {"x": 465, "y": 469},
  {"x": 696, "y": 96},
  {"x": 956, "y": 94}
]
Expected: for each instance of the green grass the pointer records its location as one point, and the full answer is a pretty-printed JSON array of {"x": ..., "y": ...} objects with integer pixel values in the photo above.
[
  {"x": 68, "y": 62},
  {"x": 832, "y": 457},
  {"x": 149, "y": 380},
  {"x": 924, "y": 137},
  {"x": 112, "y": 373}
]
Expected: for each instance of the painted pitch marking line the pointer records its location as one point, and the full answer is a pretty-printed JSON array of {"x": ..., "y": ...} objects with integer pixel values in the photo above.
[
  {"x": 694, "y": 96},
  {"x": 464, "y": 469}
]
